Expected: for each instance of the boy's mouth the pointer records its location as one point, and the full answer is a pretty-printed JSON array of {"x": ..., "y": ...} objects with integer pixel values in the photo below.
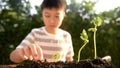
[{"x": 52, "y": 26}]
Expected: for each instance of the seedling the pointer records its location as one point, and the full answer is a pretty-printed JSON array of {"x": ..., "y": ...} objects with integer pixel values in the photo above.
[
  {"x": 97, "y": 22},
  {"x": 84, "y": 37},
  {"x": 56, "y": 56}
]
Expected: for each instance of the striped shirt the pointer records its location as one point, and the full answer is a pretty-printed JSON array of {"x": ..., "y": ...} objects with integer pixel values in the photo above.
[{"x": 50, "y": 44}]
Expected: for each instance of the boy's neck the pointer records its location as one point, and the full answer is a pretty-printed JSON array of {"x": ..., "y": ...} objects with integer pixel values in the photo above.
[{"x": 52, "y": 31}]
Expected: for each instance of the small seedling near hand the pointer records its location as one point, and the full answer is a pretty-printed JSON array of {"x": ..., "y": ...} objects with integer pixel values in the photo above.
[
  {"x": 56, "y": 56},
  {"x": 84, "y": 37},
  {"x": 97, "y": 22}
]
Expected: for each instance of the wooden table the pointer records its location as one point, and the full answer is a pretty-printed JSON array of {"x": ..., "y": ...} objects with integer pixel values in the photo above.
[{"x": 7, "y": 66}]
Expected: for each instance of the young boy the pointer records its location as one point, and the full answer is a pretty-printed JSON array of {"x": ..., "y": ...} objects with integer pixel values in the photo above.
[{"x": 43, "y": 43}]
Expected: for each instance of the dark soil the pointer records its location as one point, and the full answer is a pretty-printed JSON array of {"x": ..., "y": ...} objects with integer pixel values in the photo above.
[{"x": 94, "y": 63}]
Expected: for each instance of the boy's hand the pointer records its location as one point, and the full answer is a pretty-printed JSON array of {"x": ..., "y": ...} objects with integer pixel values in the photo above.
[{"x": 32, "y": 52}]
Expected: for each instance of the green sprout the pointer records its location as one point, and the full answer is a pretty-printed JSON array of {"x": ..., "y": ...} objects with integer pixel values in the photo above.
[
  {"x": 97, "y": 22},
  {"x": 56, "y": 56},
  {"x": 84, "y": 37}
]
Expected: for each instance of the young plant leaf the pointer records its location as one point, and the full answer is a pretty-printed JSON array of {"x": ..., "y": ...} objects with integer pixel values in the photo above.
[
  {"x": 84, "y": 35},
  {"x": 92, "y": 29},
  {"x": 56, "y": 56},
  {"x": 97, "y": 21}
]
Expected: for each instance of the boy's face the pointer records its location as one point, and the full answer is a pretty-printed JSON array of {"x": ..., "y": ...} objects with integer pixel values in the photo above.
[{"x": 53, "y": 18}]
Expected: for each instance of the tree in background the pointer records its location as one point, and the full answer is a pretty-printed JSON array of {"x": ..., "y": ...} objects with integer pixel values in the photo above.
[
  {"x": 15, "y": 23},
  {"x": 110, "y": 35}
]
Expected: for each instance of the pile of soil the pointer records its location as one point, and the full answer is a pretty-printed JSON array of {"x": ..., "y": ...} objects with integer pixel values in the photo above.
[{"x": 94, "y": 63}]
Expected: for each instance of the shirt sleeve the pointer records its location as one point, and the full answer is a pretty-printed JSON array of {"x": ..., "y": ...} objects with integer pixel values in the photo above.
[
  {"x": 28, "y": 40},
  {"x": 70, "y": 48}
]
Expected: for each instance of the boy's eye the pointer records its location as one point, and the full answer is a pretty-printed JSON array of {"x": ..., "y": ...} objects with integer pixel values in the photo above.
[
  {"x": 47, "y": 15},
  {"x": 57, "y": 16}
]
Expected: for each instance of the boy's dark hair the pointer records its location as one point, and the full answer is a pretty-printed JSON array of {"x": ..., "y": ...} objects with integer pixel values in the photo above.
[{"x": 53, "y": 4}]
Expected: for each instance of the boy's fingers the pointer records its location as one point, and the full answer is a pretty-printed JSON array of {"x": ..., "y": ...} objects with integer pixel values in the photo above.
[
  {"x": 33, "y": 50},
  {"x": 30, "y": 58},
  {"x": 21, "y": 54},
  {"x": 25, "y": 57},
  {"x": 27, "y": 53},
  {"x": 40, "y": 53}
]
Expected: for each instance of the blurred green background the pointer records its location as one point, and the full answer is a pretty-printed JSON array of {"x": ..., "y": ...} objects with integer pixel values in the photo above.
[{"x": 16, "y": 22}]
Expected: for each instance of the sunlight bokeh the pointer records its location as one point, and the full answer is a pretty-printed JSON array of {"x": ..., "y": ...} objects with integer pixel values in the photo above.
[
  {"x": 101, "y": 5},
  {"x": 106, "y": 5}
]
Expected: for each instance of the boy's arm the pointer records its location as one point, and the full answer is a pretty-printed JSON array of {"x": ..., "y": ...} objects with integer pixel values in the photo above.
[
  {"x": 16, "y": 55},
  {"x": 70, "y": 52}
]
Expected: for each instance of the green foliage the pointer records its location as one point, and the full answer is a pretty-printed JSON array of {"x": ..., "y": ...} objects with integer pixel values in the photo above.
[{"x": 14, "y": 26}]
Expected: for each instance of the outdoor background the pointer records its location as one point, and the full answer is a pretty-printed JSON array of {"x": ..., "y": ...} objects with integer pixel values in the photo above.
[{"x": 16, "y": 21}]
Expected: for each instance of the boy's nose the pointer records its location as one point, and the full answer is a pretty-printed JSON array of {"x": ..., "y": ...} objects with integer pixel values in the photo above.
[{"x": 52, "y": 20}]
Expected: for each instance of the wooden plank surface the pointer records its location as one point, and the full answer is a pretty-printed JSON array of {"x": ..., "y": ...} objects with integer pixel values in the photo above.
[{"x": 7, "y": 66}]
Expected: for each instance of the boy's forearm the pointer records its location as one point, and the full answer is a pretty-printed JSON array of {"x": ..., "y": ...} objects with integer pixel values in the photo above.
[{"x": 15, "y": 57}]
